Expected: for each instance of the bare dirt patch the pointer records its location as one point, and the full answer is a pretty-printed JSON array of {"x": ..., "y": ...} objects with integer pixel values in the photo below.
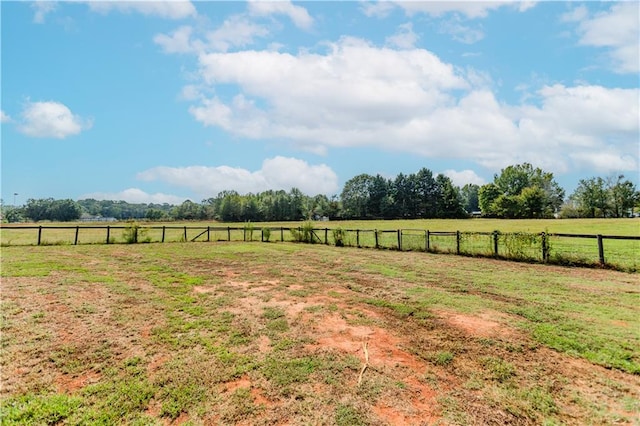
[
  {"x": 485, "y": 324},
  {"x": 253, "y": 348}
]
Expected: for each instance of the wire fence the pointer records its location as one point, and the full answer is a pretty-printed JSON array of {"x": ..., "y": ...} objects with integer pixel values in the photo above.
[{"x": 614, "y": 251}]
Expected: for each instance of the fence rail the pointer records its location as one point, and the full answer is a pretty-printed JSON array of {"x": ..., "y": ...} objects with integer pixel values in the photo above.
[{"x": 616, "y": 251}]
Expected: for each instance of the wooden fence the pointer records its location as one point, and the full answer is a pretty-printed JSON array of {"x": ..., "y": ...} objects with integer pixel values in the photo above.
[{"x": 621, "y": 252}]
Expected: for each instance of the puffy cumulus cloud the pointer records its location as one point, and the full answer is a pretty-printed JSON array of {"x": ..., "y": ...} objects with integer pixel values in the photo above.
[
  {"x": 309, "y": 97},
  {"x": 617, "y": 29},
  {"x": 4, "y": 118},
  {"x": 298, "y": 14},
  {"x": 51, "y": 120},
  {"x": 170, "y": 9},
  {"x": 464, "y": 177},
  {"x": 276, "y": 173},
  {"x": 357, "y": 94},
  {"x": 135, "y": 195}
]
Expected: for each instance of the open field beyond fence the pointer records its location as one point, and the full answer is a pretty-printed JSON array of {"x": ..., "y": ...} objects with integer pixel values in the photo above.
[
  {"x": 613, "y": 243},
  {"x": 256, "y": 334}
]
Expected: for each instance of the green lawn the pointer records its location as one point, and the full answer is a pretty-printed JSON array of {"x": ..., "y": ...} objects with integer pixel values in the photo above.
[{"x": 621, "y": 254}]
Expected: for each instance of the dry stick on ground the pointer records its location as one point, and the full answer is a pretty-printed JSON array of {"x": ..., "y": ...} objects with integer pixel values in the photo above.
[{"x": 366, "y": 361}]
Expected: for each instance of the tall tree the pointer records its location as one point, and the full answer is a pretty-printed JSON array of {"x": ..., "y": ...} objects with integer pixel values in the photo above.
[
  {"x": 543, "y": 199},
  {"x": 355, "y": 196},
  {"x": 623, "y": 196},
  {"x": 449, "y": 202},
  {"x": 469, "y": 194},
  {"x": 487, "y": 195},
  {"x": 379, "y": 197},
  {"x": 426, "y": 191},
  {"x": 591, "y": 197}
]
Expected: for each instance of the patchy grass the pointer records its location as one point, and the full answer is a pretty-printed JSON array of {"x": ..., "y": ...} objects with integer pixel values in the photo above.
[{"x": 279, "y": 333}]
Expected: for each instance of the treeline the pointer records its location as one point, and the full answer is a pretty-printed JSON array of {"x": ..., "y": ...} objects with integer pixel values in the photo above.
[
  {"x": 518, "y": 191},
  {"x": 598, "y": 197}
]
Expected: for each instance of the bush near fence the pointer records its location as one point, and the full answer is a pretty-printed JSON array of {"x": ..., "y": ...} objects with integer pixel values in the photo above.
[{"x": 613, "y": 251}]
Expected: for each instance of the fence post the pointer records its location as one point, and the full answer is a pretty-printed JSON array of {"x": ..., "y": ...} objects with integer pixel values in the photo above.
[
  {"x": 108, "y": 232},
  {"x": 281, "y": 234},
  {"x": 75, "y": 242},
  {"x": 495, "y": 243},
  {"x": 457, "y": 242},
  {"x": 326, "y": 236},
  {"x": 39, "y": 234},
  {"x": 208, "y": 234},
  {"x": 400, "y": 239},
  {"x": 545, "y": 251},
  {"x": 185, "y": 233},
  {"x": 229, "y": 233},
  {"x": 375, "y": 232},
  {"x": 357, "y": 238},
  {"x": 244, "y": 234},
  {"x": 163, "y": 230},
  {"x": 600, "y": 249},
  {"x": 428, "y": 243}
]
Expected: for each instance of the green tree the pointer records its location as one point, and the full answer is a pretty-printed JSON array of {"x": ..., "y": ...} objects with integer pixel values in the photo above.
[
  {"x": 531, "y": 202},
  {"x": 522, "y": 191},
  {"x": 449, "y": 202},
  {"x": 378, "y": 202},
  {"x": 591, "y": 197},
  {"x": 38, "y": 210},
  {"x": 355, "y": 196},
  {"x": 65, "y": 210},
  {"x": 487, "y": 195},
  {"x": 426, "y": 192},
  {"x": 623, "y": 196},
  {"x": 469, "y": 194}
]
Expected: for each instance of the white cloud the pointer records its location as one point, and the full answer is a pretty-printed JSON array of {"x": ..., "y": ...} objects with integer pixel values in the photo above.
[
  {"x": 357, "y": 94},
  {"x": 576, "y": 14},
  {"x": 42, "y": 8},
  {"x": 179, "y": 41},
  {"x": 4, "y": 118},
  {"x": 470, "y": 9},
  {"x": 298, "y": 14},
  {"x": 170, "y": 9},
  {"x": 379, "y": 9},
  {"x": 136, "y": 196},
  {"x": 405, "y": 38},
  {"x": 609, "y": 161},
  {"x": 464, "y": 177},
  {"x": 617, "y": 29},
  {"x": 51, "y": 120},
  {"x": 276, "y": 173},
  {"x": 460, "y": 32},
  {"x": 237, "y": 31}
]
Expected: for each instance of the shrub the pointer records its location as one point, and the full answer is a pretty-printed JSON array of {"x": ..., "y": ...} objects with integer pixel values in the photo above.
[
  {"x": 248, "y": 231},
  {"x": 339, "y": 236},
  {"x": 305, "y": 233},
  {"x": 134, "y": 233}
]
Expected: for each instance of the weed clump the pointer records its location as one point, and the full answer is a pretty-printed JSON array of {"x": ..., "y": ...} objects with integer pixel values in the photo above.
[{"x": 305, "y": 233}]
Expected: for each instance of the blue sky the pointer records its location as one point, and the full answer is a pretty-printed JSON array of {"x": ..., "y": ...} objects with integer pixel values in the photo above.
[{"x": 166, "y": 101}]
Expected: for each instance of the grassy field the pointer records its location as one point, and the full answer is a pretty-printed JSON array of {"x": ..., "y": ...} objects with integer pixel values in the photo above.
[
  {"x": 251, "y": 333},
  {"x": 621, "y": 254}
]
